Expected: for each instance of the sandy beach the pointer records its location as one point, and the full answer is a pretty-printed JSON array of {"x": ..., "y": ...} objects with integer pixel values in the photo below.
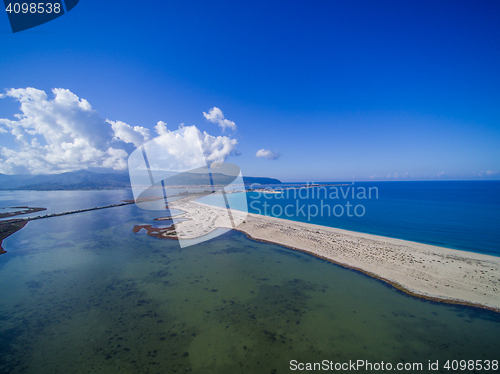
[{"x": 421, "y": 270}]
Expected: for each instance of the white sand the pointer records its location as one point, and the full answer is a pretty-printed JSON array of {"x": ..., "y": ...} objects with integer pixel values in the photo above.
[{"x": 419, "y": 269}]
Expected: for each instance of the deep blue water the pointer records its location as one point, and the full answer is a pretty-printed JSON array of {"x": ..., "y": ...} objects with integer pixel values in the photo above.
[{"x": 455, "y": 214}]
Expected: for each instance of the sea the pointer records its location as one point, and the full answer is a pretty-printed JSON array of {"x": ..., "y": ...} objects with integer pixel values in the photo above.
[
  {"x": 462, "y": 215},
  {"x": 83, "y": 293}
]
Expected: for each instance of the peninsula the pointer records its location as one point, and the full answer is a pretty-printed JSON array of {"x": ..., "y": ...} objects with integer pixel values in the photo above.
[{"x": 422, "y": 270}]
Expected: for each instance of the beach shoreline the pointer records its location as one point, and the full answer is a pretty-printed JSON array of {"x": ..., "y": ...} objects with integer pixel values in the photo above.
[
  {"x": 407, "y": 275},
  {"x": 421, "y": 270},
  {"x": 394, "y": 284},
  {"x": 8, "y": 228}
]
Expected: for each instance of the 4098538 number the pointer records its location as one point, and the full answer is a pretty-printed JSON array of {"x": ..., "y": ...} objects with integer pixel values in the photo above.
[
  {"x": 470, "y": 365},
  {"x": 33, "y": 8}
]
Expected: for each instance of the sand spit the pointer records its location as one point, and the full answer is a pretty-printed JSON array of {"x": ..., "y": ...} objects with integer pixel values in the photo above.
[
  {"x": 8, "y": 228},
  {"x": 160, "y": 233},
  {"x": 421, "y": 270},
  {"x": 22, "y": 210}
]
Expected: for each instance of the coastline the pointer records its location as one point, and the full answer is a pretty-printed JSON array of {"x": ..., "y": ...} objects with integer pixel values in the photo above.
[
  {"x": 8, "y": 228},
  {"x": 421, "y": 270},
  {"x": 411, "y": 284}
]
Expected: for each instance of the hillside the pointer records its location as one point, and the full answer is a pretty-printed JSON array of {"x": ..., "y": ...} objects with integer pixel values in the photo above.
[{"x": 85, "y": 180}]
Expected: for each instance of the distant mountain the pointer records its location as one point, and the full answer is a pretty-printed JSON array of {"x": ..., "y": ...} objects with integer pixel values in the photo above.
[
  {"x": 76, "y": 180},
  {"x": 187, "y": 178},
  {"x": 87, "y": 180},
  {"x": 260, "y": 180}
]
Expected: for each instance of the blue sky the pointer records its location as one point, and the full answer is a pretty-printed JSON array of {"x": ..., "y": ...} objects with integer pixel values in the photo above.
[{"x": 351, "y": 90}]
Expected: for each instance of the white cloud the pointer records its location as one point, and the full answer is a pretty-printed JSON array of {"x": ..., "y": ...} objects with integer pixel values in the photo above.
[
  {"x": 136, "y": 135},
  {"x": 215, "y": 149},
  {"x": 216, "y": 116},
  {"x": 491, "y": 172},
  {"x": 161, "y": 128},
  {"x": 266, "y": 153},
  {"x": 175, "y": 150},
  {"x": 486, "y": 173},
  {"x": 62, "y": 134}
]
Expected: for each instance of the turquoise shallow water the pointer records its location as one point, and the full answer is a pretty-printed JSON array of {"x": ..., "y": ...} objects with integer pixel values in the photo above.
[{"x": 83, "y": 294}]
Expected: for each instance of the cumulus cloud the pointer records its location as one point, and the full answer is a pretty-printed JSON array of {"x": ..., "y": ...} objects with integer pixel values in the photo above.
[
  {"x": 266, "y": 153},
  {"x": 136, "y": 135},
  {"x": 61, "y": 134},
  {"x": 216, "y": 116},
  {"x": 64, "y": 133},
  {"x": 216, "y": 149},
  {"x": 161, "y": 128}
]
